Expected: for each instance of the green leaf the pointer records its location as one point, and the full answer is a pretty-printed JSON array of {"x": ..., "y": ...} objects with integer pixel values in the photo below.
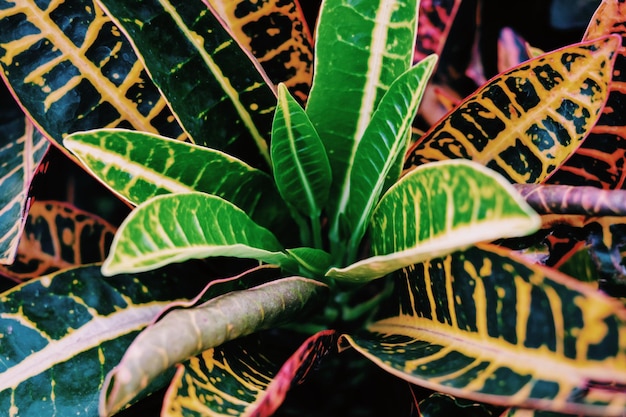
[
  {"x": 436, "y": 209},
  {"x": 61, "y": 334},
  {"x": 383, "y": 141},
  {"x": 488, "y": 326},
  {"x": 195, "y": 330},
  {"x": 221, "y": 97},
  {"x": 301, "y": 168},
  {"x": 260, "y": 365},
  {"x": 72, "y": 70},
  {"x": 314, "y": 260},
  {"x": 361, "y": 48},
  {"x": 139, "y": 165},
  {"x": 22, "y": 149},
  {"x": 176, "y": 227}
]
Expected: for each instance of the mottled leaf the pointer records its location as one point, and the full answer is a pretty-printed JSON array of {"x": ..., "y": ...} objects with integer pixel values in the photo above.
[
  {"x": 61, "y": 334},
  {"x": 195, "y": 330},
  {"x": 175, "y": 227},
  {"x": 221, "y": 97},
  {"x": 139, "y": 165},
  {"x": 56, "y": 236},
  {"x": 581, "y": 200},
  {"x": 436, "y": 209},
  {"x": 73, "y": 70},
  {"x": 485, "y": 325},
  {"x": 278, "y": 36},
  {"x": 435, "y": 19},
  {"x": 22, "y": 149},
  {"x": 250, "y": 376},
  {"x": 526, "y": 122},
  {"x": 601, "y": 158}
]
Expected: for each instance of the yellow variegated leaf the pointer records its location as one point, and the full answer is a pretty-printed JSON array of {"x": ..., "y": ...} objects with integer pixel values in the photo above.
[
  {"x": 526, "y": 122},
  {"x": 485, "y": 325}
]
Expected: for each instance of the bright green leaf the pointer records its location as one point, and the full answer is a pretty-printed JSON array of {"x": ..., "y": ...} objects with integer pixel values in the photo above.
[
  {"x": 436, "y": 209},
  {"x": 361, "y": 48},
  {"x": 176, "y": 227},
  {"x": 384, "y": 139},
  {"x": 301, "y": 168},
  {"x": 315, "y": 260},
  {"x": 224, "y": 318},
  {"x": 140, "y": 165}
]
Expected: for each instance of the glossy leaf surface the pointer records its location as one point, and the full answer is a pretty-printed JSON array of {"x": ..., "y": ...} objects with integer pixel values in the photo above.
[
  {"x": 277, "y": 34},
  {"x": 601, "y": 158},
  {"x": 485, "y": 325},
  {"x": 222, "y": 319},
  {"x": 57, "y": 236},
  {"x": 139, "y": 165},
  {"x": 22, "y": 149},
  {"x": 73, "y": 70},
  {"x": 221, "y": 98},
  {"x": 382, "y": 147},
  {"x": 354, "y": 66},
  {"x": 212, "y": 383},
  {"x": 299, "y": 161},
  {"x": 526, "y": 122},
  {"x": 580, "y": 199},
  {"x": 436, "y": 209},
  {"x": 176, "y": 227},
  {"x": 63, "y": 332}
]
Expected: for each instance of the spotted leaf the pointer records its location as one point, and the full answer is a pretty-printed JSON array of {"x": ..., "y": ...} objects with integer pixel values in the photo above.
[
  {"x": 278, "y": 36},
  {"x": 73, "y": 70},
  {"x": 485, "y": 325},
  {"x": 22, "y": 149},
  {"x": 61, "y": 334},
  {"x": 221, "y": 96},
  {"x": 219, "y": 320},
  {"x": 259, "y": 365},
  {"x": 526, "y": 122},
  {"x": 57, "y": 236},
  {"x": 601, "y": 158}
]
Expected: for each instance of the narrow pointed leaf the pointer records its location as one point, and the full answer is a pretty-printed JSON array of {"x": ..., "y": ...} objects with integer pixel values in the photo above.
[
  {"x": 354, "y": 66},
  {"x": 139, "y": 165},
  {"x": 61, "y": 334},
  {"x": 526, "y": 122},
  {"x": 601, "y": 159},
  {"x": 485, "y": 325},
  {"x": 176, "y": 227},
  {"x": 221, "y": 319},
  {"x": 277, "y": 34},
  {"x": 384, "y": 140},
  {"x": 221, "y": 97},
  {"x": 299, "y": 161},
  {"x": 57, "y": 236},
  {"x": 257, "y": 365},
  {"x": 78, "y": 73},
  {"x": 315, "y": 260},
  {"x": 22, "y": 149},
  {"x": 437, "y": 209}
]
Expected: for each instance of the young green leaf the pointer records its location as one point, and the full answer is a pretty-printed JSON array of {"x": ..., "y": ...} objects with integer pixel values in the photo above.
[
  {"x": 141, "y": 165},
  {"x": 301, "y": 168},
  {"x": 436, "y": 209},
  {"x": 176, "y": 227},
  {"x": 221, "y": 319},
  {"x": 384, "y": 139},
  {"x": 355, "y": 64},
  {"x": 314, "y": 260}
]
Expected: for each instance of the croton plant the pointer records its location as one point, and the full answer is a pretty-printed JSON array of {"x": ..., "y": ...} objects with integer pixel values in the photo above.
[{"x": 307, "y": 214}]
